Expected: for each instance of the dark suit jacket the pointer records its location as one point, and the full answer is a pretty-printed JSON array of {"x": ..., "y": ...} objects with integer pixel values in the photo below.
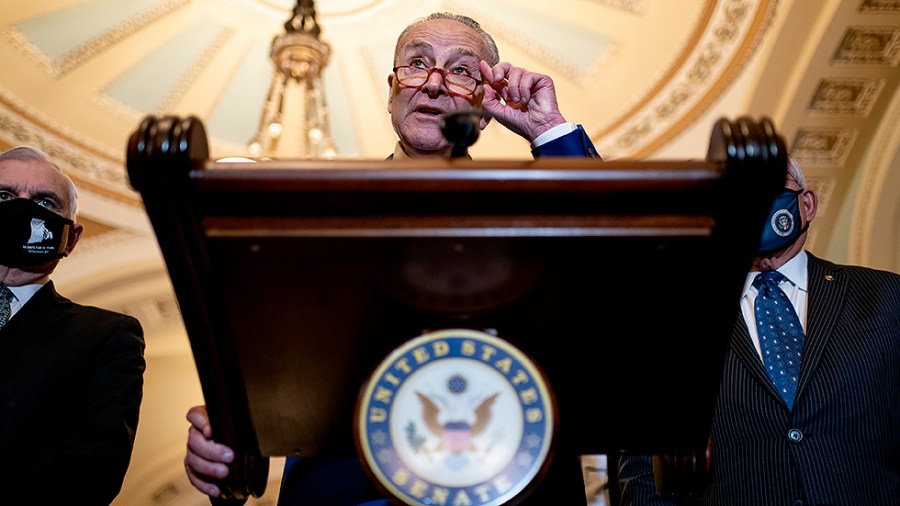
[
  {"x": 71, "y": 380},
  {"x": 575, "y": 143},
  {"x": 841, "y": 444}
]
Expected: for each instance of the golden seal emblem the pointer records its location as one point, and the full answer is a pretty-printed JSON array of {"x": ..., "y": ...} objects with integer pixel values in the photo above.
[{"x": 455, "y": 416}]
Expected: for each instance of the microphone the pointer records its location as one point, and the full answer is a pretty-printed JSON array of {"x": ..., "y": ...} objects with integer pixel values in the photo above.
[{"x": 461, "y": 129}]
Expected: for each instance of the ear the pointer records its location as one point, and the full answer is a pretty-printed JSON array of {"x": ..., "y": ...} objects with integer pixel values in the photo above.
[
  {"x": 809, "y": 201},
  {"x": 390, "y": 81},
  {"x": 74, "y": 236}
]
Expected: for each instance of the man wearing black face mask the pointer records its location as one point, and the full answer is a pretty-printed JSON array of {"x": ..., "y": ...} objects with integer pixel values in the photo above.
[
  {"x": 820, "y": 427},
  {"x": 71, "y": 376}
]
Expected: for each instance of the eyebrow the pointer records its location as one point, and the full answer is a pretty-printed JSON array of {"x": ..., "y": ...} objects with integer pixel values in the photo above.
[
  {"x": 58, "y": 201},
  {"x": 50, "y": 196},
  {"x": 417, "y": 46}
]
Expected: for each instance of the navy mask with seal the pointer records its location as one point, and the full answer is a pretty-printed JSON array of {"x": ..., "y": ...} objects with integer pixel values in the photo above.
[
  {"x": 31, "y": 234},
  {"x": 782, "y": 224}
]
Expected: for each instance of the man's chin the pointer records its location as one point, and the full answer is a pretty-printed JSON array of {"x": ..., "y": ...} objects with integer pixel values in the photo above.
[
  {"x": 25, "y": 275},
  {"x": 774, "y": 260},
  {"x": 432, "y": 143},
  {"x": 40, "y": 269}
]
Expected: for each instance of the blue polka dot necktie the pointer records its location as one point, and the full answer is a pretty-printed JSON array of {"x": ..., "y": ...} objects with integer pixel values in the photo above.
[
  {"x": 780, "y": 334},
  {"x": 6, "y": 297}
]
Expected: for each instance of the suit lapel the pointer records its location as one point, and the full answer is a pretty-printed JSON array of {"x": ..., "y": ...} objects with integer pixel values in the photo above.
[
  {"x": 43, "y": 310},
  {"x": 742, "y": 346},
  {"x": 826, "y": 293}
]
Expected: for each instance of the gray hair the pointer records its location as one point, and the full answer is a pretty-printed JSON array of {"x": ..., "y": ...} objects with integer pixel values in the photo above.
[
  {"x": 794, "y": 171},
  {"x": 30, "y": 154},
  {"x": 493, "y": 56}
]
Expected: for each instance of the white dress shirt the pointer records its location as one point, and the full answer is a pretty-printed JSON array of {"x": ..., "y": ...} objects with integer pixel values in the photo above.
[
  {"x": 23, "y": 294},
  {"x": 794, "y": 286}
]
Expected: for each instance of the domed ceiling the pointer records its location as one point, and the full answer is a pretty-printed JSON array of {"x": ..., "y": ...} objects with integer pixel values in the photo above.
[
  {"x": 91, "y": 70},
  {"x": 646, "y": 78}
]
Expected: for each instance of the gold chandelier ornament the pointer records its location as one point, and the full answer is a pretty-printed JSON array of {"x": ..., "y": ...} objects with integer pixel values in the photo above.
[{"x": 299, "y": 56}]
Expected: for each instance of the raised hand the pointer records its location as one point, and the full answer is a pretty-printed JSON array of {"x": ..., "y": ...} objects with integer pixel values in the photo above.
[{"x": 522, "y": 101}]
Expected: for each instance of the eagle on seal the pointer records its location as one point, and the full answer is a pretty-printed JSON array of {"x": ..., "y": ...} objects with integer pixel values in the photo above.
[{"x": 456, "y": 432}]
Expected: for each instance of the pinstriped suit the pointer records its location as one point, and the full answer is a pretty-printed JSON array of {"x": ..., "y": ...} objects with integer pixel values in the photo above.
[{"x": 845, "y": 449}]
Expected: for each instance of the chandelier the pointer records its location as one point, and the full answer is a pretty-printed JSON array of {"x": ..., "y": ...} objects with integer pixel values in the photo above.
[{"x": 299, "y": 58}]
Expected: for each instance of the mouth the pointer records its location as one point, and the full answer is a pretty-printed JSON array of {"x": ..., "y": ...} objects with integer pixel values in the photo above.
[{"x": 429, "y": 111}]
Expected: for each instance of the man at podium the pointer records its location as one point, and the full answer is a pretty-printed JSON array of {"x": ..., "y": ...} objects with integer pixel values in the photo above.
[{"x": 444, "y": 63}]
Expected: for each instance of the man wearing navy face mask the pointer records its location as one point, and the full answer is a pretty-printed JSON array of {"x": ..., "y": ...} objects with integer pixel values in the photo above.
[
  {"x": 71, "y": 376},
  {"x": 815, "y": 422}
]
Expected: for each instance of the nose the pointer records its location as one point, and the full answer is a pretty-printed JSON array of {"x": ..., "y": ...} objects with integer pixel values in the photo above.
[{"x": 434, "y": 83}]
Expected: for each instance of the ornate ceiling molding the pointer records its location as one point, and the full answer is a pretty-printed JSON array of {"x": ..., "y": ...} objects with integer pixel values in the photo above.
[
  {"x": 92, "y": 168},
  {"x": 56, "y": 67},
  {"x": 727, "y": 41}
]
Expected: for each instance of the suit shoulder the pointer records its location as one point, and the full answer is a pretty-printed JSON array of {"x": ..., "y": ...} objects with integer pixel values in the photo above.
[
  {"x": 48, "y": 298},
  {"x": 870, "y": 275},
  {"x": 855, "y": 271},
  {"x": 865, "y": 286},
  {"x": 107, "y": 314},
  {"x": 84, "y": 316}
]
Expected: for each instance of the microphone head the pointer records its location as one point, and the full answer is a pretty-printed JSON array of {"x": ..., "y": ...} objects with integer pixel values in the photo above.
[{"x": 461, "y": 127}]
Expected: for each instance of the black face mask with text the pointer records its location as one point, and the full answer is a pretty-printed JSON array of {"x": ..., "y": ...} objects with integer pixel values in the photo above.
[{"x": 31, "y": 234}]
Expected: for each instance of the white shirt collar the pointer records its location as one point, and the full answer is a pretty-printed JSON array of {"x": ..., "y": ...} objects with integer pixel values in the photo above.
[
  {"x": 794, "y": 270},
  {"x": 25, "y": 292}
]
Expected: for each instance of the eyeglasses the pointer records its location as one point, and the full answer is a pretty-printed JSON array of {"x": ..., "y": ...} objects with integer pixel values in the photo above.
[{"x": 461, "y": 85}]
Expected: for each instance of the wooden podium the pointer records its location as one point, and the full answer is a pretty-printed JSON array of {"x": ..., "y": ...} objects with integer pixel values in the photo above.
[{"x": 296, "y": 277}]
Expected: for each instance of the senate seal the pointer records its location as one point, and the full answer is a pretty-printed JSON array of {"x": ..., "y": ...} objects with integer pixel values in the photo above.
[{"x": 455, "y": 416}]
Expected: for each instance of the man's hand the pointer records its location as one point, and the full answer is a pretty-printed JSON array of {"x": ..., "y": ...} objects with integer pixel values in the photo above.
[
  {"x": 205, "y": 460},
  {"x": 522, "y": 101}
]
